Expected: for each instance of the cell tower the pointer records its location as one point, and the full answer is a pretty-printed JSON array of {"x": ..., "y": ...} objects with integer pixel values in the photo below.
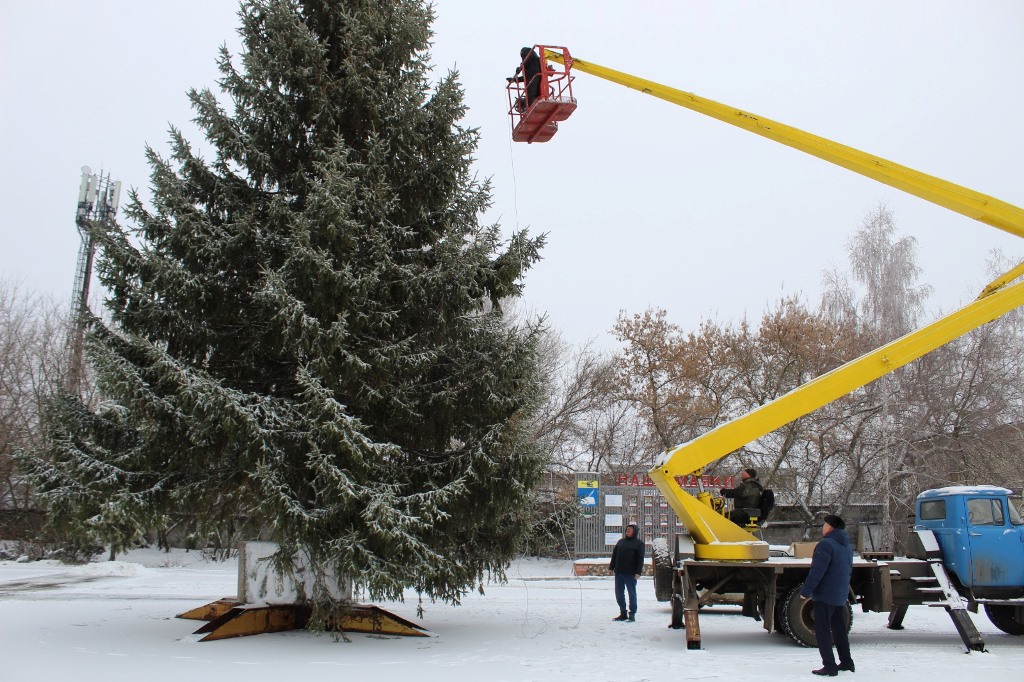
[{"x": 98, "y": 199}]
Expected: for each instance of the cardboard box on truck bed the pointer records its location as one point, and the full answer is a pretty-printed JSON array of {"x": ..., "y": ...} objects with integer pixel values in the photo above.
[{"x": 802, "y": 550}]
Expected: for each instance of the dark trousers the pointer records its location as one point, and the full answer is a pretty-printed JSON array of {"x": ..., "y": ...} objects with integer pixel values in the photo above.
[
  {"x": 829, "y": 629},
  {"x": 625, "y": 582},
  {"x": 739, "y": 516}
]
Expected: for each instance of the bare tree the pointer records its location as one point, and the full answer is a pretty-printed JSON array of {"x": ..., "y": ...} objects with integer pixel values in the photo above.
[
  {"x": 583, "y": 423},
  {"x": 969, "y": 427},
  {"x": 884, "y": 271},
  {"x": 681, "y": 385},
  {"x": 956, "y": 415},
  {"x": 885, "y": 265},
  {"x": 685, "y": 385},
  {"x": 33, "y": 364},
  {"x": 807, "y": 460},
  {"x": 949, "y": 416}
]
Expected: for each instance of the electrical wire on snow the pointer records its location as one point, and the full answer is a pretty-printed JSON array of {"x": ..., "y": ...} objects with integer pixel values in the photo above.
[
  {"x": 526, "y": 617},
  {"x": 568, "y": 555},
  {"x": 579, "y": 583}
]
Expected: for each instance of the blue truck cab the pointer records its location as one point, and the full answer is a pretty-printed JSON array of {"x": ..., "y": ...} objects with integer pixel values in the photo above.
[{"x": 981, "y": 534}]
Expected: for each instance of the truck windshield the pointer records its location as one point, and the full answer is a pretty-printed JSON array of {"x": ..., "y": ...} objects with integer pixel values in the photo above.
[{"x": 1015, "y": 518}]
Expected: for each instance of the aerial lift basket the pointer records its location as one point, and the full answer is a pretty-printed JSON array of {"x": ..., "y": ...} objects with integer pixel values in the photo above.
[{"x": 537, "y": 120}]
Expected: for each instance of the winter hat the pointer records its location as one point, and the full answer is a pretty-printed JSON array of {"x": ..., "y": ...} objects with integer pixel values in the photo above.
[
  {"x": 751, "y": 472},
  {"x": 835, "y": 521}
]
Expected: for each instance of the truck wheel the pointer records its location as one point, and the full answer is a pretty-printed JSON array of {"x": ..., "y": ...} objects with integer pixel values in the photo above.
[
  {"x": 660, "y": 551},
  {"x": 798, "y": 618},
  {"x": 780, "y": 602},
  {"x": 662, "y": 560},
  {"x": 662, "y": 582},
  {"x": 1005, "y": 618},
  {"x": 677, "y": 622}
]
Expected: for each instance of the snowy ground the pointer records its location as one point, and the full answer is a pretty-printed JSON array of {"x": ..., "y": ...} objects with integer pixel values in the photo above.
[{"x": 115, "y": 621}]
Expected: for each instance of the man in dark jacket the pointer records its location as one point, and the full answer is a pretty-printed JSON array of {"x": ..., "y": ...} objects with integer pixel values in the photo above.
[
  {"x": 529, "y": 72},
  {"x": 747, "y": 495},
  {"x": 828, "y": 585},
  {"x": 627, "y": 564}
]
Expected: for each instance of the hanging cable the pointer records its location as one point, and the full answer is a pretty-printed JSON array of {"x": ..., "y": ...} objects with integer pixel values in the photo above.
[
  {"x": 551, "y": 475},
  {"x": 515, "y": 186}
]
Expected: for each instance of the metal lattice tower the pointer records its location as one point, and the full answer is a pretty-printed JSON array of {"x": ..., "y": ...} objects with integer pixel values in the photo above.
[{"x": 98, "y": 199}]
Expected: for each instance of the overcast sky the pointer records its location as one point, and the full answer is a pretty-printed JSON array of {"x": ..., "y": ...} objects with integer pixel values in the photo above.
[{"x": 645, "y": 204}]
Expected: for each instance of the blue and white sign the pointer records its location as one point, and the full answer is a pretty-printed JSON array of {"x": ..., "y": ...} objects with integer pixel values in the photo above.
[{"x": 586, "y": 493}]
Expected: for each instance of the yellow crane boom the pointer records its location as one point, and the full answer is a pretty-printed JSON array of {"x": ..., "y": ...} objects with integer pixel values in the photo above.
[
  {"x": 989, "y": 210},
  {"x": 710, "y": 533},
  {"x": 715, "y": 536}
]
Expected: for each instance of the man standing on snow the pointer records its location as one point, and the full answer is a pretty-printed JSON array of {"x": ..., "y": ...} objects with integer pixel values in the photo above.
[
  {"x": 627, "y": 564},
  {"x": 828, "y": 585}
]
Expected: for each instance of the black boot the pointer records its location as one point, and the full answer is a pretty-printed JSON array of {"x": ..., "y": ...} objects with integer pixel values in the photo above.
[
  {"x": 631, "y": 618},
  {"x": 826, "y": 672},
  {"x": 621, "y": 617}
]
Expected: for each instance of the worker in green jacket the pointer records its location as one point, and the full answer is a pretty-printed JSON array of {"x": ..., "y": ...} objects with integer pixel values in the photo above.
[{"x": 747, "y": 495}]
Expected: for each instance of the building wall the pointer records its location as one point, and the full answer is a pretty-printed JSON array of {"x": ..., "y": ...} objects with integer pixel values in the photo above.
[
  {"x": 609, "y": 502},
  {"x": 620, "y": 499}
]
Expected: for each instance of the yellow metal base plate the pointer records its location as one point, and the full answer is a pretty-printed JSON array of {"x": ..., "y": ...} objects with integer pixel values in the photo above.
[
  {"x": 227, "y": 618},
  {"x": 732, "y": 551}
]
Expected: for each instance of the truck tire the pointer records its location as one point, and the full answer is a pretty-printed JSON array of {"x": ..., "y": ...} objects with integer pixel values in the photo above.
[
  {"x": 798, "y": 618},
  {"x": 1004, "y": 617},
  {"x": 662, "y": 582},
  {"x": 662, "y": 560},
  {"x": 677, "y": 622},
  {"x": 778, "y": 627}
]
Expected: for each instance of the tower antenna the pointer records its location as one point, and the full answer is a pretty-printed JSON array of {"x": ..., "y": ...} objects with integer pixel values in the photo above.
[{"x": 98, "y": 198}]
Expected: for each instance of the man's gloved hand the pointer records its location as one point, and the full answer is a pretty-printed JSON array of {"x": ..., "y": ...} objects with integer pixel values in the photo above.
[{"x": 510, "y": 79}]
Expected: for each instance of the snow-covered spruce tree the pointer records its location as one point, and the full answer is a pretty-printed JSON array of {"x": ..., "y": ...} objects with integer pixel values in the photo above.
[{"x": 305, "y": 330}]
